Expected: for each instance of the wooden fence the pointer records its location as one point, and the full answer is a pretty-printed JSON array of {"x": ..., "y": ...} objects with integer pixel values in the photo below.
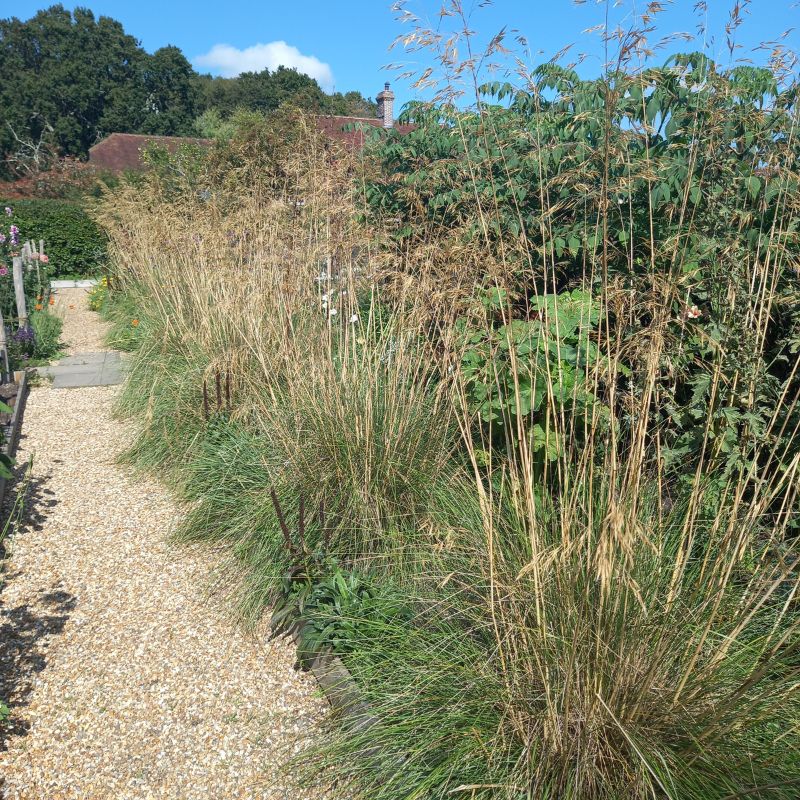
[{"x": 30, "y": 258}]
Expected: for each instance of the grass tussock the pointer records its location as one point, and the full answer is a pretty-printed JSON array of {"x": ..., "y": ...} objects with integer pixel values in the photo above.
[{"x": 537, "y": 362}]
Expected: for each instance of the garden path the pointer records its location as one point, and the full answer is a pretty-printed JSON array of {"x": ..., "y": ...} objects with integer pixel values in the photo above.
[
  {"x": 125, "y": 676},
  {"x": 89, "y": 362}
]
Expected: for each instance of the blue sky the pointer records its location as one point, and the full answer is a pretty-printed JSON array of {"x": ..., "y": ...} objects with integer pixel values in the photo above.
[{"x": 345, "y": 44}]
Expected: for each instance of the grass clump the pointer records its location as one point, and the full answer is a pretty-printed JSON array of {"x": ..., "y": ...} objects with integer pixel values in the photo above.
[{"x": 537, "y": 362}]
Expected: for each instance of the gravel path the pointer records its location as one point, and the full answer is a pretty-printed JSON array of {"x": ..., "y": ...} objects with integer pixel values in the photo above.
[
  {"x": 84, "y": 331},
  {"x": 125, "y": 677}
]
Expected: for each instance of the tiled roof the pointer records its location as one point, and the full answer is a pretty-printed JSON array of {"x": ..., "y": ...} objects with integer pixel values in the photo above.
[
  {"x": 335, "y": 128},
  {"x": 122, "y": 151}
]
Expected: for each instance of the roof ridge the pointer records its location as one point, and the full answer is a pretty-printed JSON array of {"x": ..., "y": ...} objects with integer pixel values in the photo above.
[{"x": 148, "y": 136}]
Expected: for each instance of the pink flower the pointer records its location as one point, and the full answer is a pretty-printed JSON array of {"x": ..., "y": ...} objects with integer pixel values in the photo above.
[
  {"x": 44, "y": 258},
  {"x": 3, "y": 270}
]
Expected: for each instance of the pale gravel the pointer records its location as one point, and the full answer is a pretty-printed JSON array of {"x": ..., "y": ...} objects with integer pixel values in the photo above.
[
  {"x": 138, "y": 684},
  {"x": 84, "y": 331}
]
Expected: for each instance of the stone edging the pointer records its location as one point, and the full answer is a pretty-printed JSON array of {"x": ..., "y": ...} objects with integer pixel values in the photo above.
[{"x": 338, "y": 685}]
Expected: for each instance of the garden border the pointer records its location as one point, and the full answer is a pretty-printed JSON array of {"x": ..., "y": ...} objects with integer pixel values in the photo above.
[
  {"x": 336, "y": 683},
  {"x": 14, "y": 427}
]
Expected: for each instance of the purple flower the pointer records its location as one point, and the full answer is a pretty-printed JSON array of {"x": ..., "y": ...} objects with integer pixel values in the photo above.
[
  {"x": 24, "y": 335},
  {"x": 3, "y": 270},
  {"x": 9, "y": 211},
  {"x": 14, "y": 232}
]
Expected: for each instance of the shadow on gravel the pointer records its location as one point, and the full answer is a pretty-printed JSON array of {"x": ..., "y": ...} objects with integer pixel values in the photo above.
[
  {"x": 24, "y": 634},
  {"x": 36, "y": 504},
  {"x": 26, "y": 628}
]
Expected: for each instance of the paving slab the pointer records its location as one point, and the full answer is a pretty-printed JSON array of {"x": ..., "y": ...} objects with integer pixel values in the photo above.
[
  {"x": 85, "y": 369},
  {"x": 83, "y": 284}
]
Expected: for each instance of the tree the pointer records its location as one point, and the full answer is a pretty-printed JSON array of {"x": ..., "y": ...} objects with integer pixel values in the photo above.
[
  {"x": 267, "y": 91},
  {"x": 78, "y": 78},
  {"x": 59, "y": 71},
  {"x": 171, "y": 102},
  {"x": 70, "y": 78}
]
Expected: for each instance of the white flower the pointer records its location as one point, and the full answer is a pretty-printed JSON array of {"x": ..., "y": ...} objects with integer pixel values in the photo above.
[
  {"x": 324, "y": 298},
  {"x": 692, "y": 313},
  {"x": 333, "y": 312},
  {"x": 354, "y": 318}
]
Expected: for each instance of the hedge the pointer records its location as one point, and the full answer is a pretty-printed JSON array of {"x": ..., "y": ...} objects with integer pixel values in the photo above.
[{"x": 73, "y": 241}]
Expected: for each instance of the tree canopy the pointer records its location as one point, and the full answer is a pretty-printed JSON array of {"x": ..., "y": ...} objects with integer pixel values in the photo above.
[{"x": 70, "y": 78}]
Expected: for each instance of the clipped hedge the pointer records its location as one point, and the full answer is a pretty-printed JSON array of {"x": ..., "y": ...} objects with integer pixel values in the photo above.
[{"x": 74, "y": 242}]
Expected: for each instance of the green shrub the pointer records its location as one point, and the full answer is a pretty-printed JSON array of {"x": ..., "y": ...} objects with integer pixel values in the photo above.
[
  {"x": 39, "y": 342},
  {"x": 47, "y": 335},
  {"x": 73, "y": 241}
]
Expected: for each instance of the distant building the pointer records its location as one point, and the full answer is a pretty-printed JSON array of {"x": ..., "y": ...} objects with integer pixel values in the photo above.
[
  {"x": 337, "y": 127},
  {"x": 119, "y": 152}
]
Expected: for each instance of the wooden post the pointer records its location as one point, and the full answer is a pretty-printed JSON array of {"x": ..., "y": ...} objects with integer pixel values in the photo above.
[
  {"x": 4, "y": 365},
  {"x": 19, "y": 290},
  {"x": 27, "y": 256}
]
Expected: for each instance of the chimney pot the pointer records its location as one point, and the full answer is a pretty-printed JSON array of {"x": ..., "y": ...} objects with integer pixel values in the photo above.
[{"x": 386, "y": 106}]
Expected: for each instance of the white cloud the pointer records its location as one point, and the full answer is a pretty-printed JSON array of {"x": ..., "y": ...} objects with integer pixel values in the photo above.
[{"x": 231, "y": 61}]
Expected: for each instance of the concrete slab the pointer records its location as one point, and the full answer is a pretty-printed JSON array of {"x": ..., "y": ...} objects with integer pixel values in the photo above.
[
  {"x": 83, "y": 284},
  {"x": 83, "y": 359},
  {"x": 72, "y": 380},
  {"x": 85, "y": 369}
]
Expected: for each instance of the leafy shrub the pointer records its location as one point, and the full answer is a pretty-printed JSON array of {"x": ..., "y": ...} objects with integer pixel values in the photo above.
[
  {"x": 523, "y": 376},
  {"x": 39, "y": 342},
  {"x": 73, "y": 241},
  {"x": 47, "y": 332},
  {"x": 331, "y": 604},
  {"x": 499, "y": 188},
  {"x": 98, "y": 295}
]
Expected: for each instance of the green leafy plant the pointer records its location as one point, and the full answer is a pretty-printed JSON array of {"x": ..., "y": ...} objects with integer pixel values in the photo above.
[
  {"x": 327, "y": 605},
  {"x": 98, "y": 294},
  {"x": 523, "y": 375},
  {"x": 47, "y": 329},
  {"x": 74, "y": 243}
]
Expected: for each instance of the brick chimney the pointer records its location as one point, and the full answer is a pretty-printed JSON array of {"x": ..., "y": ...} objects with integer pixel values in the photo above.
[{"x": 386, "y": 106}]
